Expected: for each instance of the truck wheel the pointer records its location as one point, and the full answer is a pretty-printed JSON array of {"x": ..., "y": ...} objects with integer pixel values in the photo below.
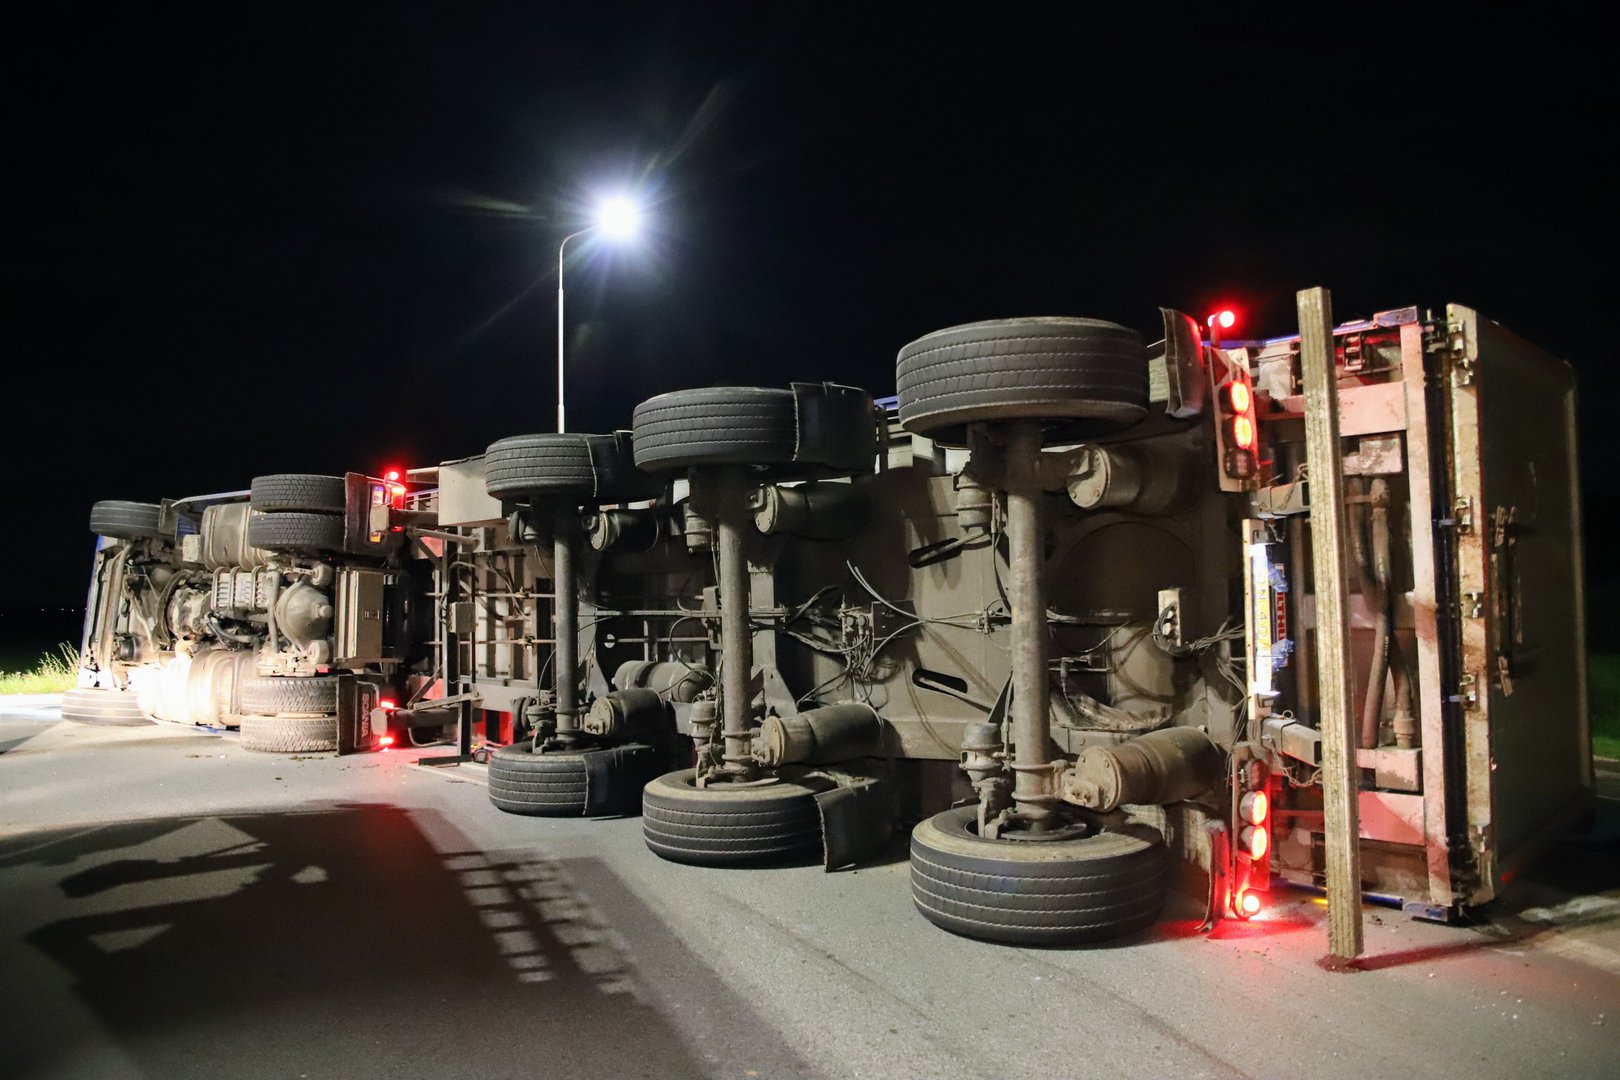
[
  {"x": 586, "y": 468},
  {"x": 298, "y": 491},
  {"x": 1081, "y": 376},
  {"x": 558, "y": 463},
  {"x": 548, "y": 785},
  {"x": 105, "y": 708},
  {"x": 295, "y": 531},
  {"x": 1056, "y": 892},
  {"x": 721, "y": 425},
  {"x": 729, "y": 825},
  {"x": 268, "y": 695},
  {"x": 123, "y": 520},
  {"x": 289, "y": 734}
]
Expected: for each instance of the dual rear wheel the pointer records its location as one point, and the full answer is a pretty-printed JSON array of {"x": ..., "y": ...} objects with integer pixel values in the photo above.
[
  {"x": 285, "y": 714},
  {"x": 297, "y": 512}
]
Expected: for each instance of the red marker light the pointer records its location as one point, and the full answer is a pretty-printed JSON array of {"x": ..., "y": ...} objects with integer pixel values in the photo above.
[
  {"x": 387, "y": 704},
  {"x": 1239, "y": 394},
  {"x": 1248, "y": 904},
  {"x": 391, "y": 474},
  {"x": 1243, "y": 432},
  {"x": 385, "y": 741},
  {"x": 1226, "y": 318}
]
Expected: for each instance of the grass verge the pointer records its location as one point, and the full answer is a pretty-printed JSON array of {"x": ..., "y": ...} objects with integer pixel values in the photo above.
[
  {"x": 54, "y": 673},
  {"x": 1603, "y": 675}
]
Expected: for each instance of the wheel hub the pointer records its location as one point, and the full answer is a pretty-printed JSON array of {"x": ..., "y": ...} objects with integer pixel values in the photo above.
[
  {"x": 721, "y": 780},
  {"x": 1060, "y": 827}
]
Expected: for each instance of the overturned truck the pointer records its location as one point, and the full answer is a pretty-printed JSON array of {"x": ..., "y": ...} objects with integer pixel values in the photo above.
[{"x": 1054, "y": 604}]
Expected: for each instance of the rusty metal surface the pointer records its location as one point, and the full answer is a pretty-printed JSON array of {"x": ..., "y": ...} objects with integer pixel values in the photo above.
[
  {"x": 736, "y": 635},
  {"x": 1529, "y": 749},
  {"x": 1428, "y": 690},
  {"x": 1372, "y": 409},
  {"x": 565, "y": 585},
  {"x": 1031, "y": 713},
  {"x": 1391, "y": 816},
  {"x": 1162, "y": 767}
]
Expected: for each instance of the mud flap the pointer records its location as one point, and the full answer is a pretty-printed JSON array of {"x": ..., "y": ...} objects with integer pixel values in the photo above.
[
  {"x": 617, "y": 480},
  {"x": 857, "y": 814},
  {"x": 360, "y": 721},
  {"x": 837, "y": 427},
  {"x": 614, "y": 778}
]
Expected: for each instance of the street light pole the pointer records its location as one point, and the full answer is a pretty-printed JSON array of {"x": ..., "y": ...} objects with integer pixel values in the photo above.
[
  {"x": 618, "y": 218},
  {"x": 561, "y": 248}
]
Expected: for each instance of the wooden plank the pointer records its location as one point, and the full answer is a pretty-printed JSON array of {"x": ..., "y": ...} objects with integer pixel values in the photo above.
[{"x": 1341, "y": 838}]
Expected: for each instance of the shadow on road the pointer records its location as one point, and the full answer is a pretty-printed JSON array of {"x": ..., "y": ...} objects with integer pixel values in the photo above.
[{"x": 339, "y": 942}]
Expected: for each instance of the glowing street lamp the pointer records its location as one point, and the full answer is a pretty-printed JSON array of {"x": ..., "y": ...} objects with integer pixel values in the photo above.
[{"x": 618, "y": 217}]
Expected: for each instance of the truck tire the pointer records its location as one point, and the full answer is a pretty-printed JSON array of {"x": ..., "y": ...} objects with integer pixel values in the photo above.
[
  {"x": 585, "y": 468},
  {"x": 722, "y": 425},
  {"x": 123, "y": 520},
  {"x": 1080, "y": 376},
  {"x": 547, "y": 785},
  {"x": 729, "y": 825},
  {"x": 558, "y": 463},
  {"x": 295, "y": 531},
  {"x": 268, "y": 695},
  {"x": 289, "y": 734},
  {"x": 298, "y": 491},
  {"x": 104, "y": 708},
  {"x": 1056, "y": 892}
]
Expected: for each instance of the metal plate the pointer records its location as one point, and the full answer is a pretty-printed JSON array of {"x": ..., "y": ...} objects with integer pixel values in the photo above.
[{"x": 1514, "y": 407}]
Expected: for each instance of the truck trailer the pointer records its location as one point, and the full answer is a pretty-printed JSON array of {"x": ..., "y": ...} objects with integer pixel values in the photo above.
[{"x": 1075, "y": 607}]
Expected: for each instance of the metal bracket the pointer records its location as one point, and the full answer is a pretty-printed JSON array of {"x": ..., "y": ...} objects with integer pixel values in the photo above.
[
  {"x": 1282, "y": 500},
  {"x": 1450, "y": 342},
  {"x": 1467, "y": 691},
  {"x": 1462, "y": 516},
  {"x": 1352, "y": 347}
]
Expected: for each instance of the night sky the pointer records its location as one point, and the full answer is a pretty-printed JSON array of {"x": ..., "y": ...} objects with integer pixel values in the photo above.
[{"x": 268, "y": 238}]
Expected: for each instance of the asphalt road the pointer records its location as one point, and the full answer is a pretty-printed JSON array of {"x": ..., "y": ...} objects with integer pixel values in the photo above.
[{"x": 172, "y": 906}]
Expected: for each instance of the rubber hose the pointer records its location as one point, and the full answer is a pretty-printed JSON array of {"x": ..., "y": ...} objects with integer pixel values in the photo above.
[{"x": 1372, "y": 710}]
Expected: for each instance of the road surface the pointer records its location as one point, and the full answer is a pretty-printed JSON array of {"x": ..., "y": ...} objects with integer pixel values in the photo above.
[{"x": 172, "y": 906}]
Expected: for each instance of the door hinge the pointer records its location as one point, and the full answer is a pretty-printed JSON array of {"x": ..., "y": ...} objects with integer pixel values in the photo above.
[{"x": 1449, "y": 342}]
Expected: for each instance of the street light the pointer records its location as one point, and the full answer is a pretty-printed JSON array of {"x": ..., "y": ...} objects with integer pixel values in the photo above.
[{"x": 618, "y": 217}]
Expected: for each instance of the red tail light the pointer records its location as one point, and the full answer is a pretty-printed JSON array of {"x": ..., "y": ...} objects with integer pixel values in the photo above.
[
  {"x": 1238, "y": 427},
  {"x": 1240, "y": 396}
]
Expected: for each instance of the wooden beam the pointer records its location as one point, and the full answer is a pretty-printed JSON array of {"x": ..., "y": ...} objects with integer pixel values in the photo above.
[{"x": 1340, "y": 777}]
